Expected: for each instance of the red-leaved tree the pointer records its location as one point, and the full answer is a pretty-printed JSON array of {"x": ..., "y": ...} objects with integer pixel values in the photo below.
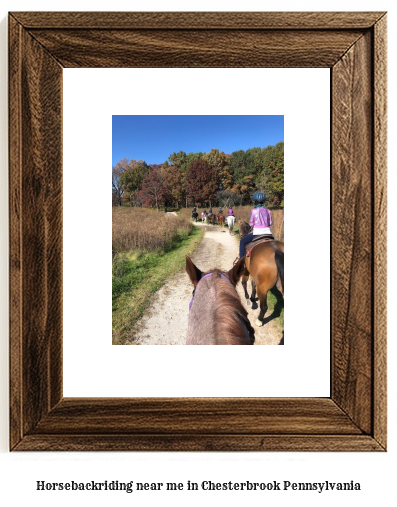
[
  {"x": 174, "y": 178},
  {"x": 154, "y": 189},
  {"x": 202, "y": 181}
]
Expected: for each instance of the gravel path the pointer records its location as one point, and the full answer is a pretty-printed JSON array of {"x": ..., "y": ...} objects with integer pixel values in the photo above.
[{"x": 167, "y": 319}]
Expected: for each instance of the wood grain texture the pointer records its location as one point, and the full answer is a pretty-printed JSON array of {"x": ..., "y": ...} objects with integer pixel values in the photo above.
[
  {"x": 353, "y": 45},
  {"x": 15, "y": 227},
  {"x": 352, "y": 232},
  {"x": 196, "y": 48},
  {"x": 206, "y": 416},
  {"x": 200, "y": 20},
  {"x": 199, "y": 443},
  {"x": 380, "y": 228},
  {"x": 36, "y": 245}
]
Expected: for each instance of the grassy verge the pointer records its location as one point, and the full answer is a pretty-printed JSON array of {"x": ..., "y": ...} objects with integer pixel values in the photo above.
[{"x": 137, "y": 275}]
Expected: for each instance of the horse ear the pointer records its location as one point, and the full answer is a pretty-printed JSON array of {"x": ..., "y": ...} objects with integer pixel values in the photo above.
[
  {"x": 193, "y": 271},
  {"x": 237, "y": 270}
]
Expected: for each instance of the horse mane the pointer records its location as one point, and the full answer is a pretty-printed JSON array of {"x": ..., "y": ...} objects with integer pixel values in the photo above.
[
  {"x": 244, "y": 228},
  {"x": 232, "y": 326}
]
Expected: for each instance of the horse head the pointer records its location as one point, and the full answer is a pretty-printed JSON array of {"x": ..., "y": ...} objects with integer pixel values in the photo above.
[
  {"x": 226, "y": 321},
  {"x": 234, "y": 274}
]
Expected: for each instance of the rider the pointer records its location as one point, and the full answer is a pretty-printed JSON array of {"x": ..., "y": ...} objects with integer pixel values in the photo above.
[
  {"x": 260, "y": 220},
  {"x": 210, "y": 211},
  {"x": 165, "y": 209},
  {"x": 220, "y": 212},
  {"x": 194, "y": 210},
  {"x": 230, "y": 213}
]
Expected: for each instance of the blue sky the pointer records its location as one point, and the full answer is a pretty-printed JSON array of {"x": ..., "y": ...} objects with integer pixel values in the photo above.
[{"x": 154, "y": 138}]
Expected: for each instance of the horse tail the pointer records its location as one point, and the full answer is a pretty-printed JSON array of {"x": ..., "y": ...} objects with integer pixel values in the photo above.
[{"x": 280, "y": 265}]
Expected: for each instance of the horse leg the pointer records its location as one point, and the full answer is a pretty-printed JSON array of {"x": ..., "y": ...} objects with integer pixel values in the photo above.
[
  {"x": 244, "y": 280},
  {"x": 280, "y": 287},
  {"x": 253, "y": 291},
  {"x": 263, "y": 309}
]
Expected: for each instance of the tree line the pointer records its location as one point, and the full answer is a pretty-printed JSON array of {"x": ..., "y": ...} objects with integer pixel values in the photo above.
[{"x": 201, "y": 179}]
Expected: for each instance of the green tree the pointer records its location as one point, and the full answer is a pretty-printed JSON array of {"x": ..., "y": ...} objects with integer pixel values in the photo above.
[
  {"x": 131, "y": 180},
  {"x": 117, "y": 189},
  {"x": 177, "y": 159},
  {"x": 271, "y": 177},
  {"x": 219, "y": 162}
]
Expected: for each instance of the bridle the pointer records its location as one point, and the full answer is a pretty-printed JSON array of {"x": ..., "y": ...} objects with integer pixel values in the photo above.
[{"x": 205, "y": 276}]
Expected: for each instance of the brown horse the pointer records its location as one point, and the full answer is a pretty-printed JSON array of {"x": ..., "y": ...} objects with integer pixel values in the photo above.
[
  {"x": 216, "y": 315},
  {"x": 266, "y": 267},
  {"x": 211, "y": 218},
  {"x": 244, "y": 228},
  {"x": 221, "y": 220}
]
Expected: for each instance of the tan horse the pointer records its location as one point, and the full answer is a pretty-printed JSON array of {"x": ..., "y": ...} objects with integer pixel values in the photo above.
[
  {"x": 221, "y": 220},
  {"x": 216, "y": 315},
  {"x": 266, "y": 267}
]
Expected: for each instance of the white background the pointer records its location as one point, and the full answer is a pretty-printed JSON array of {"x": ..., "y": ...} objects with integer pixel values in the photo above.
[
  {"x": 19, "y": 472},
  {"x": 301, "y": 367}
]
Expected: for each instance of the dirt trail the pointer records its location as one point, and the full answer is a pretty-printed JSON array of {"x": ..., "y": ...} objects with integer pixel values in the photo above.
[{"x": 167, "y": 319}]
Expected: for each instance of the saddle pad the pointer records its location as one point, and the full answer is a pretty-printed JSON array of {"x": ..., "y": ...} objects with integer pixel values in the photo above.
[{"x": 252, "y": 244}]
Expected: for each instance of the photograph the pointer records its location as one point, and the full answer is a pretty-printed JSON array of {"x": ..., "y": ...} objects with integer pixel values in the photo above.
[{"x": 198, "y": 230}]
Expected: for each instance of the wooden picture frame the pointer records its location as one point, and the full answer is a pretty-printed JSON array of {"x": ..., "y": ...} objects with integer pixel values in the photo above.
[{"x": 353, "y": 46}]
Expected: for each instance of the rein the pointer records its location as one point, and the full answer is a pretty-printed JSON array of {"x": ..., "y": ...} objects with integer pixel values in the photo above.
[{"x": 205, "y": 276}]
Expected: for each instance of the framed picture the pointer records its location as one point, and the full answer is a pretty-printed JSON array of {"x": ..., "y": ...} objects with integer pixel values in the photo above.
[{"x": 353, "y": 46}]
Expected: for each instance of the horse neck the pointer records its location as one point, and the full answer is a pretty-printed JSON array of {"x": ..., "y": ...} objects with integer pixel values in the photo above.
[
  {"x": 201, "y": 326},
  {"x": 217, "y": 316}
]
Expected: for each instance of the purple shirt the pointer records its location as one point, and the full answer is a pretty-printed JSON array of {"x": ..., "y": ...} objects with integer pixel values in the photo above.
[{"x": 260, "y": 218}]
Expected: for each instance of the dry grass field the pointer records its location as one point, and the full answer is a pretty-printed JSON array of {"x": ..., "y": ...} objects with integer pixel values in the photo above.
[
  {"x": 148, "y": 248},
  {"x": 143, "y": 229}
]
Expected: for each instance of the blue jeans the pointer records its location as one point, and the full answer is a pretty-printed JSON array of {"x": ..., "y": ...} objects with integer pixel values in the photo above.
[{"x": 243, "y": 242}]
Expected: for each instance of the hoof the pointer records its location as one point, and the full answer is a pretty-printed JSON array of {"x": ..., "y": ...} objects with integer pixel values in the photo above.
[{"x": 258, "y": 323}]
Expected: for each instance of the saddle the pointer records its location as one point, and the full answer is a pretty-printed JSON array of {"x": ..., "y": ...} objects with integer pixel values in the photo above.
[{"x": 256, "y": 241}]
